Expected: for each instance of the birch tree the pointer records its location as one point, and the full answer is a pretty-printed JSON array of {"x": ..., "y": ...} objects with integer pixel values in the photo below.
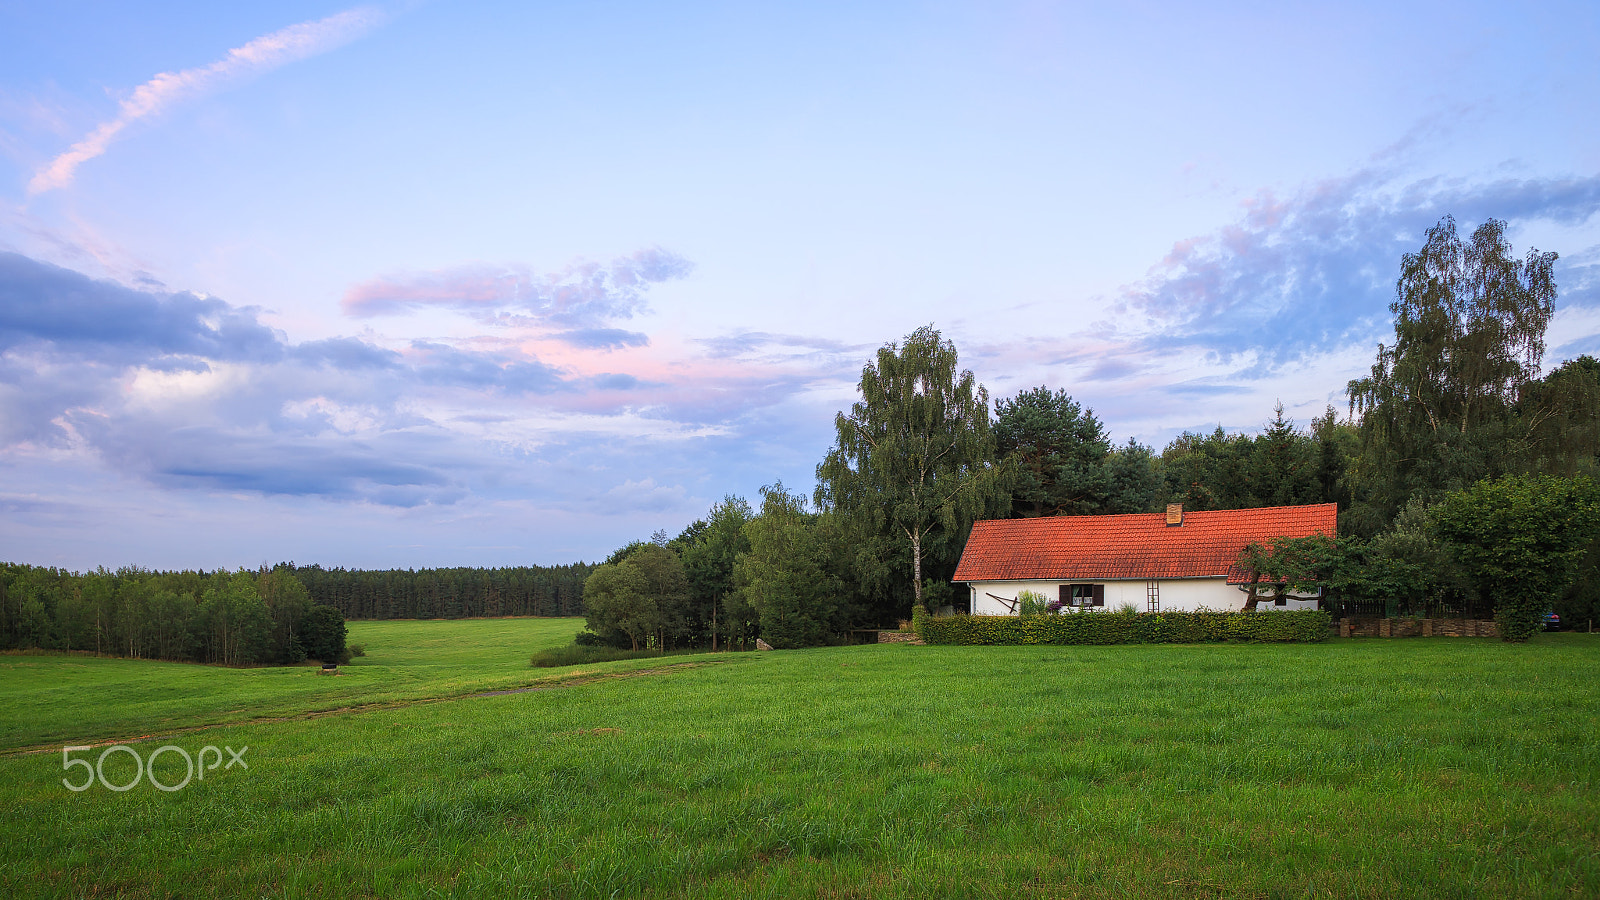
[
  {"x": 915, "y": 455},
  {"x": 1436, "y": 410}
]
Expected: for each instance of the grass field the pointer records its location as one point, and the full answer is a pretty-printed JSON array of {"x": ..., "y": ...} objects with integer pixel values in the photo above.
[
  {"x": 1437, "y": 767},
  {"x": 50, "y": 699}
]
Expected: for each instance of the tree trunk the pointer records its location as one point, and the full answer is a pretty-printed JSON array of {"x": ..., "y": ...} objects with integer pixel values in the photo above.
[
  {"x": 1250, "y": 598},
  {"x": 916, "y": 568}
]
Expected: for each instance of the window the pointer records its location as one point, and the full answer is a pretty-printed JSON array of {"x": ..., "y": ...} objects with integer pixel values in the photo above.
[
  {"x": 1083, "y": 595},
  {"x": 1152, "y": 594}
]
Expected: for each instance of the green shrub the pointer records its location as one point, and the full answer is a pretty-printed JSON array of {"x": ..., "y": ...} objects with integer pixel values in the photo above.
[
  {"x": 1124, "y": 627},
  {"x": 1032, "y": 603},
  {"x": 919, "y": 620}
]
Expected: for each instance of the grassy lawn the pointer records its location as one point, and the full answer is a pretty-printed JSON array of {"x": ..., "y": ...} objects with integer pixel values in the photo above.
[
  {"x": 76, "y": 699},
  {"x": 1439, "y": 767}
]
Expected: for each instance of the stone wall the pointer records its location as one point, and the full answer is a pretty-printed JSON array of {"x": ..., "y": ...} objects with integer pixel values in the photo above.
[
  {"x": 1408, "y": 627},
  {"x": 898, "y": 637}
]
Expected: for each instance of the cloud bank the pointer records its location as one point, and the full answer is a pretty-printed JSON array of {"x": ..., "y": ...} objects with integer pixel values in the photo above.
[
  {"x": 1304, "y": 275},
  {"x": 169, "y": 88},
  {"x": 191, "y": 393}
]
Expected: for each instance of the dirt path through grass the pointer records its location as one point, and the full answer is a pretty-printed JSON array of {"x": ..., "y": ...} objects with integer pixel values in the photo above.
[{"x": 564, "y": 680}]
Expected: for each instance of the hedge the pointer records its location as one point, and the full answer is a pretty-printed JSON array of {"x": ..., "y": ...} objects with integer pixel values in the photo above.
[{"x": 1128, "y": 628}]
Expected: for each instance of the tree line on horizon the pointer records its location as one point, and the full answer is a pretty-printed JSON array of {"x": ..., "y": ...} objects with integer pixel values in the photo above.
[
  {"x": 230, "y": 618},
  {"x": 1453, "y": 418},
  {"x": 453, "y": 593},
  {"x": 276, "y": 616}
]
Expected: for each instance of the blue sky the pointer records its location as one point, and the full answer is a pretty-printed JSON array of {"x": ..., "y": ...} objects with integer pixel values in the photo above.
[{"x": 427, "y": 284}]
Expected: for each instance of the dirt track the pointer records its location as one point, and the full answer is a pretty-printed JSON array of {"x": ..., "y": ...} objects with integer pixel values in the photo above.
[{"x": 577, "y": 679}]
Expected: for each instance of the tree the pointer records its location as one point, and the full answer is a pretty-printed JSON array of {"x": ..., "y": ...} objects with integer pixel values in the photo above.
[
  {"x": 235, "y": 626},
  {"x": 1286, "y": 565},
  {"x": 1411, "y": 569},
  {"x": 323, "y": 634},
  {"x": 668, "y": 588},
  {"x": 617, "y": 603},
  {"x": 1335, "y": 443},
  {"x": 1579, "y": 604},
  {"x": 1519, "y": 539},
  {"x": 172, "y": 624},
  {"x": 1135, "y": 484},
  {"x": 789, "y": 576},
  {"x": 1210, "y": 471},
  {"x": 1284, "y": 472},
  {"x": 709, "y": 549},
  {"x": 626, "y": 551},
  {"x": 1057, "y": 451},
  {"x": 288, "y": 603},
  {"x": 915, "y": 455},
  {"x": 1469, "y": 335},
  {"x": 1559, "y": 419}
]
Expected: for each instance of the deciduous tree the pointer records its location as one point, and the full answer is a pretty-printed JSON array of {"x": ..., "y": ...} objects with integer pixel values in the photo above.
[
  {"x": 668, "y": 588},
  {"x": 323, "y": 634},
  {"x": 1469, "y": 331},
  {"x": 617, "y": 602},
  {"x": 790, "y": 576},
  {"x": 1519, "y": 539},
  {"x": 915, "y": 455},
  {"x": 708, "y": 553}
]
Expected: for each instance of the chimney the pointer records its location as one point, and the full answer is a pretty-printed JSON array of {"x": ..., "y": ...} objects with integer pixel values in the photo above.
[{"x": 1175, "y": 514}]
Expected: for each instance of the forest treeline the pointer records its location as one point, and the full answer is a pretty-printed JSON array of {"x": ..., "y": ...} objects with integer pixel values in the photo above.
[
  {"x": 1452, "y": 437},
  {"x": 447, "y": 593},
  {"x": 278, "y": 615},
  {"x": 231, "y": 618}
]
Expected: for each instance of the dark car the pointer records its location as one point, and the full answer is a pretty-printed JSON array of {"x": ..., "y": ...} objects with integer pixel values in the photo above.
[{"x": 1552, "y": 622}]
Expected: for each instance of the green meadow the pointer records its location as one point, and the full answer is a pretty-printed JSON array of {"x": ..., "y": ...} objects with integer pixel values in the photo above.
[
  {"x": 55, "y": 699},
  {"x": 1378, "y": 768}
]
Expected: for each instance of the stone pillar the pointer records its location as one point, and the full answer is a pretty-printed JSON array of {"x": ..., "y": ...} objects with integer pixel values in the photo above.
[
  {"x": 1427, "y": 628},
  {"x": 1384, "y": 629}
]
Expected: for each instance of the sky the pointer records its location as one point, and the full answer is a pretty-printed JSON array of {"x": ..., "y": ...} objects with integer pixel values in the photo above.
[{"x": 486, "y": 284}]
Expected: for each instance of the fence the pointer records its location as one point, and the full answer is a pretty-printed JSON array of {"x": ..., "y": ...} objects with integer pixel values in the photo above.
[{"x": 1417, "y": 627}]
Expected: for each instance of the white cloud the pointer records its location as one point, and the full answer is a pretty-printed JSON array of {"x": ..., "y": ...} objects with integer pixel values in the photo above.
[{"x": 159, "y": 93}]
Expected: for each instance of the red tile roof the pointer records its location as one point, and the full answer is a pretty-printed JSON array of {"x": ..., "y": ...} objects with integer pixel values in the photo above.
[{"x": 1134, "y": 546}]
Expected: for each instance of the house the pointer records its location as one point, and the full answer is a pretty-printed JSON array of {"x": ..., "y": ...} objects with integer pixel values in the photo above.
[{"x": 1155, "y": 561}]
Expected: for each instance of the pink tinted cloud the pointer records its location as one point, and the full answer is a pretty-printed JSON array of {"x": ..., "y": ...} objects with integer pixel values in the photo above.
[
  {"x": 461, "y": 288},
  {"x": 159, "y": 93},
  {"x": 675, "y": 379},
  {"x": 584, "y": 294}
]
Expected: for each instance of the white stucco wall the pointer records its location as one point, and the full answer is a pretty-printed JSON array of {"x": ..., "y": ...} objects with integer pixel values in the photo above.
[{"x": 1186, "y": 594}]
